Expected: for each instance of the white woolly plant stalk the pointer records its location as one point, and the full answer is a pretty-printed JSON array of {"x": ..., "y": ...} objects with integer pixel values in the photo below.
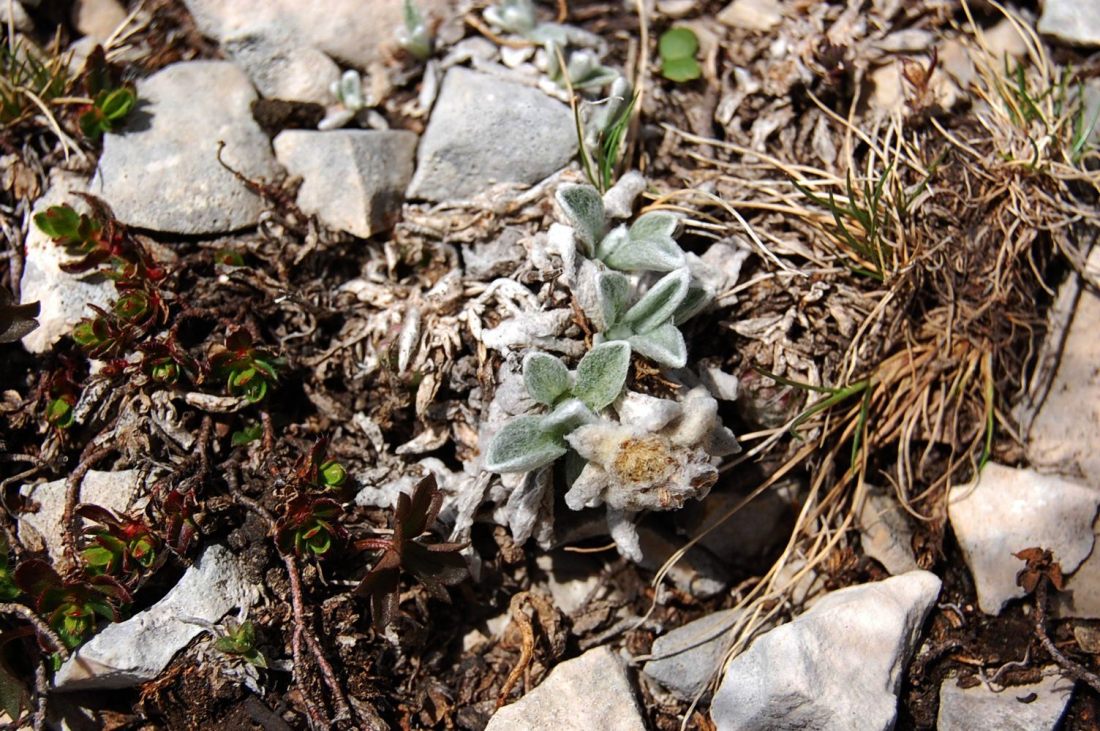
[{"x": 529, "y": 442}]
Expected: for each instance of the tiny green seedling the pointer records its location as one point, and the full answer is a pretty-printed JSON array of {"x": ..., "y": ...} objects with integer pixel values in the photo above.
[
  {"x": 239, "y": 640},
  {"x": 414, "y": 35},
  {"x": 647, "y": 245},
  {"x": 349, "y": 91},
  {"x": 650, "y": 324},
  {"x": 529, "y": 442},
  {"x": 677, "y": 48}
]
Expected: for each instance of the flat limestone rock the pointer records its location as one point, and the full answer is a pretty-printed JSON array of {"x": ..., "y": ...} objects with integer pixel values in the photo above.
[
  {"x": 63, "y": 297},
  {"x": 484, "y": 131},
  {"x": 1007, "y": 510},
  {"x": 1076, "y": 22},
  {"x": 586, "y": 693},
  {"x": 352, "y": 180},
  {"x": 980, "y": 709},
  {"x": 684, "y": 659},
  {"x": 352, "y": 31},
  {"x": 112, "y": 490},
  {"x": 1062, "y": 437},
  {"x": 161, "y": 172},
  {"x": 282, "y": 68},
  {"x": 886, "y": 533},
  {"x": 135, "y": 651},
  {"x": 838, "y": 666}
]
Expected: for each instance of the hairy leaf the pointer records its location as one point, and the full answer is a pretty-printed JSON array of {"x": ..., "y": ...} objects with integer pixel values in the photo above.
[
  {"x": 655, "y": 225},
  {"x": 546, "y": 377},
  {"x": 664, "y": 345},
  {"x": 616, "y": 238},
  {"x": 522, "y": 445},
  {"x": 583, "y": 206},
  {"x": 565, "y": 418},
  {"x": 602, "y": 373},
  {"x": 696, "y": 300},
  {"x": 661, "y": 301},
  {"x": 613, "y": 291},
  {"x": 647, "y": 255}
]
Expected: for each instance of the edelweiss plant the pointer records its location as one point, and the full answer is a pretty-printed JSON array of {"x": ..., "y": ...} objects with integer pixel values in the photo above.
[
  {"x": 647, "y": 245},
  {"x": 414, "y": 35},
  {"x": 529, "y": 442},
  {"x": 650, "y": 324}
]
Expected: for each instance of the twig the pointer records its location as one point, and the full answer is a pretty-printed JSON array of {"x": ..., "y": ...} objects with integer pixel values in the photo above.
[
  {"x": 70, "y": 522},
  {"x": 302, "y": 631},
  {"x": 42, "y": 689},
  {"x": 39, "y": 625},
  {"x": 474, "y": 22},
  {"x": 527, "y": 649},
  {"x": 1071, "y": 668},
  {"x": 269, "y": 432}
]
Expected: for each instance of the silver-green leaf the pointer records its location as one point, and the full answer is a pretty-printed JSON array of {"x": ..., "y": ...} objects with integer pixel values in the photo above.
[
  {"x": 602, "y": 373},
  {"x": 655, "y": 225},
  {"x": 659, "y": 304},
  {"x": 583, "y": 207},
  {"x": 568, "y": 416},
  {"x": 614, "y": 239},
  {"x": 546, "y": 377},
  {"x": 664, "y": 345},
  {"x": 696, "y": 300},
  {"x": 523, "y": 445},
  {"x": 612, "y": 290},
  {"x": 646, "y": 255}
]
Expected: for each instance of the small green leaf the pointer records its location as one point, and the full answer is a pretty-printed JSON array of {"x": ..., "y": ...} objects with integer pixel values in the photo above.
[
  {"x": 647, "y": 255},
  {"x": 333, "y": 474},
  {"x": 681, "y": 69},
  {"x": 116, "y": 104},
  {"x": 247, "y": 435},
  {"x": 546, "y": 377},
  {"x": 569, "y": 415},
  {"x": 697, "y": 298},
  {"x": 612, "y": 291},
  {"x": 677, "y": 43},
  {"x": 665, "y": 345},
  {"x": 522, "y": 445},
  {"x": 655, "y": 225},
  {"x": 602, "y": 373},
  {"x": 658, "y": 304},
  {"x": 58, "y": 222},
  {"x": 583, "y": 206},
  {"x": 612, "y": 242}
]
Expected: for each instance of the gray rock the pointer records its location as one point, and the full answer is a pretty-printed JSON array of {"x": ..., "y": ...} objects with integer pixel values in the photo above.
[
  {"x": 282, "y": 68},
  {"x": 353, "y": 180},
  {"x": 1076, "y": 22},
  {"x": 588, "y": 692},
  {"x": 162, "y": 172},
  {"x": 112, "y": 490},
  {"x": 698, "y": 573},
  {"x": 98, "y": 18},
  {"x": 756, "y": 15},
  {"x": 838, "y": 666},
  {"x": 1081, "y": 595},
  {"x": 1062, "y": 436},
  {"x": 349, "y": 30},
  {"x": 16, "y": 15},
  {"x": 684, "y": 660},
  {"x": 485, "y": 130},
  {"x": 886, "y": 533},
  {"x": 980, "y": 709},
  {"x": 63, "y": 298},
  {"x": 137, "y": 650},
  {"x": 1007, "y": 510}
]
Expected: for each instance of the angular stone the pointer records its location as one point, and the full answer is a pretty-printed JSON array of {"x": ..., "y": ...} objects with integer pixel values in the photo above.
[
  {"x": 1062, "y": 437},
  {"x": 485, "y": 130},
  {"x": 282, "y": 68},
  {"x": 63, "y": 298},
  {"x": 135, "y": 651},
  {"x": 161, "y": 171},
  {"x": 886, "y": 533},
  {"x": 1081, "y": 595},
  {"x": 757, "y": 15},
  {"x": 684, "y": 660},
  {"x": 352, "y": 180},
  {"x": 1007, "y": 510},
  {"x": 745, "y": 538},
  {"x": 697, "y": 573},
  {"x": 352, "y": 31},
  {"x": 112, "y": 490},
  {"x": 98, "y": 18},
  {"x": 585, "y": 693},
  {"x": 837, "y": 666},
  {"x": 1012, "y": 709},
  {"x": 1076, "y": 22}
]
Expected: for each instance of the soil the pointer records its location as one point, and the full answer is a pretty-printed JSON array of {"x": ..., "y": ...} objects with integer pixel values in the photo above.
[{"x": 448, "y": 664}]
